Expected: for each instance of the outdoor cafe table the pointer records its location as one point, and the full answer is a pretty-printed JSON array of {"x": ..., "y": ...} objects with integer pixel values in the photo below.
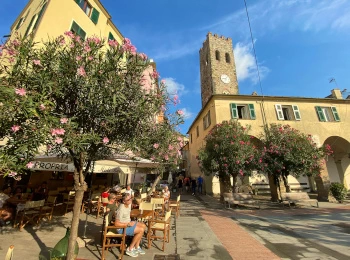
[{"x": 136, "y": 214}]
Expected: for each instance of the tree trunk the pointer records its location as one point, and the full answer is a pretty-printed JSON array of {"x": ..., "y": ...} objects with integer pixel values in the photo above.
[
  {"x": 225, "y": 185},
  {"x": 154, "y": 184},
  {"x": 273, "y": 188},
  {"x": 79, "y": 187},
  {"x": 234, "y": 184},
  {"x": 286, "y": 184}
]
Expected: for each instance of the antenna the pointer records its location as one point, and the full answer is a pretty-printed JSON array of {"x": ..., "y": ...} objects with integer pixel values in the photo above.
[{"x": 331, "y": 80}]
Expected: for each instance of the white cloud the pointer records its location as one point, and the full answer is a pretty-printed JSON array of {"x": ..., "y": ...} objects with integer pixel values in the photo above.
[
  {"x": 245, "y": 64},
  {"x": 174, "y": 88},
  {"x": 187, "y": 114}
]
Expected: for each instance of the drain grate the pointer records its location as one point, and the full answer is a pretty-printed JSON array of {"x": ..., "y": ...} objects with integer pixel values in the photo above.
[{"x": 167, "y": 257}]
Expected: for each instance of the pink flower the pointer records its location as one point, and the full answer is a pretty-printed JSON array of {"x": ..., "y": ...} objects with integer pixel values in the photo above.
[
  {"x": 78, "y": 58},
  {"x": 57, "y": 131},
  {"x": 37, "y": 62},
  {"x": 30, "y": 165},
  {"x": 156, "y": 146},
  {"x": 105, "y": 140},
  {"x": 155, "y": 74},
  {"x": 176, "y": 99},
  {"x": 15, "y": 128},
  {"x": 170, "y": 147},
  {"x": 64, "y": 120},
  {"x": 113, "y": 43},
  {"x": 143, "y": 56},
  {"x": 153, "y": 158},
  {"x": 69, "y": 34},
  {"x": 180, "y": 112},
  {"x": 163, "y": 81},
  {"x": 12, "y": 174},
  {"x": 87, "y": 48},
  {"x": 42, "y": 107},
  {"x": 58, "y": 140},
  {"x": 127, "y": 41},
  {"x": 179, "y": 139},
  {"x": 166, "y": 157},
  {"x": 237, "y": 162},
  {"x": 81, "y": 71},
  {"x": 20, "y": 91},
  {"x": 90, "y": 58}
]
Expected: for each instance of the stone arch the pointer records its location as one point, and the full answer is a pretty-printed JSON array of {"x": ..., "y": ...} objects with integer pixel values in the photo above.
[{"x": 338, "y": 164}]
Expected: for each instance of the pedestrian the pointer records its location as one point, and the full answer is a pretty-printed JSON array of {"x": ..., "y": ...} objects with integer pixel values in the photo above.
[
  {"x": 194, "y": 186},
  {"x": 179, "y": 185},
  {"x": 187, "y": 184},
  {"x": 200, "y": 184}
]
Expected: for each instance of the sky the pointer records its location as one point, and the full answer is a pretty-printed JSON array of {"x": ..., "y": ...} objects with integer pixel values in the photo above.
[{"x": 300, "y": 44}]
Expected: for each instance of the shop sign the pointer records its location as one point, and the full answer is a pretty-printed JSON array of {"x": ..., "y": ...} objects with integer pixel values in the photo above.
[{"x": 52, "y": 166}]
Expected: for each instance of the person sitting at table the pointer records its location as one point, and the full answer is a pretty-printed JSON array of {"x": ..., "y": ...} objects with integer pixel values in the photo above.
[
  {"x": 133, "y": 228},
  {"x": 112, "y": 205},
  {"x": 166, "y": 196},
  {"x": 129, "y": 191},
  {"x": 5, "y": 210},
  {"x": 41, "y": 192},
  {"x": 105, "y": 194}
]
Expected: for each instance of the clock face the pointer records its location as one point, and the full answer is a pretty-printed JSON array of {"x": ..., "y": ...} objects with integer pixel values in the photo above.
[{"x": 225, "y": 78}]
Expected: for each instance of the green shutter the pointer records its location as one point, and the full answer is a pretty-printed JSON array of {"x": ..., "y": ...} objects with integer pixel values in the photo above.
[
  {"x": 320, "y": 114},
  {"x": 30, "y": 25},
  {"x": 77, "y": 1},
  {"x": 335, "y": 114},
  {"x": 110, "y": 36},
  {"x": 75, "y": 27},
  {"x": 234, "y": 112},
  {"x": 279, "y": 112},
  {"x": 39, "y": 17},
  {"x": 82, "y": 33},
  {"x": 209, "y": 119},
  {"x": 296, "y": 112},
  {"x": 94, "y": 16},
  {"x": 19, "y": 23},
  {"x": 252, "y": 111}
]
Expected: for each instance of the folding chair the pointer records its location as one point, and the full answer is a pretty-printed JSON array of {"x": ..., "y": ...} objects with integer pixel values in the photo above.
[
  {"x": 28, "y": 212},
  {"x": 159, "y": 206},
  {"x": 109, "y": 233},
  {"x": 100, "y": 206},
  {"x": 162, "y": 225},
  {"x": 143, "y": 196},
  {"x": 68, "y": 200},
  {"x": 175, "y": 205},
  {"x": 48, "y": 208},
  {"x": 147, "y": 206}
]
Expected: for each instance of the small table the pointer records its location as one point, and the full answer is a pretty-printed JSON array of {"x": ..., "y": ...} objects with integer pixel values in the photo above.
[{"x": 136, "y": 213}]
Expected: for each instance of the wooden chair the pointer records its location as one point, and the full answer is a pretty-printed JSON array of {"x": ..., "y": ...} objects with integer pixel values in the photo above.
[
  {"x": 143, "y": 197},
  {"x": 28, "y": 212},
  {"x": 9, "y": 254},
  {"x": 147, "y": 206},
  {"x": 122, "y": 191},
  {"x": 109, "y": 233},
  {"x": 68, "y": 200},
  {"x": 159, "y": 206},
  {"x": 162, "y": 225},
  {"x": 100, "y": 206},
  {"x": 175, "y": 206},
  {"x": 48, "y": 208}
]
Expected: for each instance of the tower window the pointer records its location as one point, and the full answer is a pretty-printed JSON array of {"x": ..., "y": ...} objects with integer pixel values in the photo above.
[
  {"x": 217, "y": 55},
  {"x": 227, "y": 58}
]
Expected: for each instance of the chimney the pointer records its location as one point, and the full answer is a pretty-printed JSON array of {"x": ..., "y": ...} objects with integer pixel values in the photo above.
[{"x": 336, "y": 93}]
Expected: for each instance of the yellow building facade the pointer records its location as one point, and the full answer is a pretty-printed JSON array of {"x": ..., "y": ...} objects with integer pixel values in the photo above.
[
  {"x": 49, "y": 18},
  {"x": 326, "y": 119}
]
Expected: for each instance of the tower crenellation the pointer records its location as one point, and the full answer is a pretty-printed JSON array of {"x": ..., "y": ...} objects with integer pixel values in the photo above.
[{"x": 217, "y": 67}]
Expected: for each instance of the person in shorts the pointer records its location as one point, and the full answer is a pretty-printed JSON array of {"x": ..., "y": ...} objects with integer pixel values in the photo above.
[{"x": 133, "y": 228}]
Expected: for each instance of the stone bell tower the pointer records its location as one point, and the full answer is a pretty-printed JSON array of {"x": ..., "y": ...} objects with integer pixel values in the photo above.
[{"x": 217, "y": 67}]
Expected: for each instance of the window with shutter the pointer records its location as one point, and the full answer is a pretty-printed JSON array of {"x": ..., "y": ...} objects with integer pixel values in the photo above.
[
  {"x": 94, "y": 16},
  {"x": 251, "y": 111},
  {"x": 78, "y": 30},
  {"x": 39, "y": 16},
  {"x": 335, "y": 114},
  {"x": 19, "y": 23},
  {"x": 279, "y": 112},
  {"x": 31, "y": 25},
  {"x": 320, "y": 114},
  {"x": 296, "y": 112},
  {"x": 111, "y": 37},
  {"x": 234, "y": 112}
]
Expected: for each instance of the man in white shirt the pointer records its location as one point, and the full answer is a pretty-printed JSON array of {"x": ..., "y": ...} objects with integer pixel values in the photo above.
[{"x": 129, "y": 191}]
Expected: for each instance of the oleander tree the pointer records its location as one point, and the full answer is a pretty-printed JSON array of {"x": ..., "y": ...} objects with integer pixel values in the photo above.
[
  {"x": 286, "y": 151},
  {"x": 78, "y": 99},
  {"x": 229, "y": 151}
]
